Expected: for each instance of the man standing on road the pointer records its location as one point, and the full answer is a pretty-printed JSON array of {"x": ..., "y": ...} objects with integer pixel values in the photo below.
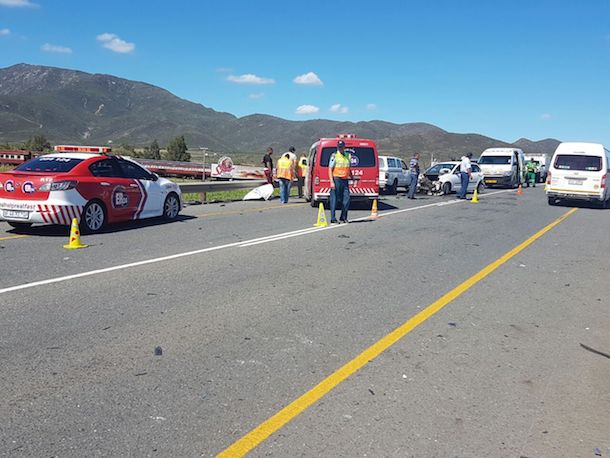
[
  {"x": 465, "y": 175},
  {"x": 530, "y": 168},
  {"x": 301, "y": 172},
  {"x": 413, "y": 175},
  {"x": 285, "y": 175},
  {"x": 339, "y": 172},
  {"x": 293, "y": 158},
  {"x": 268, "y": 163}
]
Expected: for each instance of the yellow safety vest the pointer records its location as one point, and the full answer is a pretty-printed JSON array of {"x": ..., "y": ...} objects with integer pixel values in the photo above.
[
  {"x": 284, "y": 168},
  {"x": 342, "y": 164},
  {"x": 302, "y": 167}
]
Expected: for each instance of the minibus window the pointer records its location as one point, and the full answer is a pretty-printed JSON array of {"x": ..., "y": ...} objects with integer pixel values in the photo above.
[
  {"x": 495, "y": 160},
  {"x": 365, "y": 156},
  {"x": 578, "y": 162}
]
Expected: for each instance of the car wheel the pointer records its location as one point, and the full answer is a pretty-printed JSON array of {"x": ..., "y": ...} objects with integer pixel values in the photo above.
[
  {"x": 393, "y": 189},
  {"x": 552, "y": 201},
  {"x": 480, "y": 187},
  {"x": 171, "y": 207},
  {"x": 93, "y": 218},
  {"x": 19, "y": 226},
  {"x": 446, "y": 188}
]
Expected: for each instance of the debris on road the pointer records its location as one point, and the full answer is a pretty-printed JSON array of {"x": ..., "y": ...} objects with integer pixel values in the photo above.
[
  {"x": 593, "y": 350},
  {"x": 158, "y": 351}
]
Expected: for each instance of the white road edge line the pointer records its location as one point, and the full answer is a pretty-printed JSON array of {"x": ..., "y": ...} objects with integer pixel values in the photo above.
[{"x": 242, "y": 244}]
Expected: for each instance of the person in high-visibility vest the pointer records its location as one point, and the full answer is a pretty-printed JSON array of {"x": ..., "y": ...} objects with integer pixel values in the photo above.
[
  {"x": 285, "y": 175},
  {"x": 301, "y": 172},
  {"x": 339, "y": 172},
  {"x": 530, "y": 168}
]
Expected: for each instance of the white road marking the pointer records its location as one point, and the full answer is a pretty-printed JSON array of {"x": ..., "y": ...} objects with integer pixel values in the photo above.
[{"x": 242, "y": 244}]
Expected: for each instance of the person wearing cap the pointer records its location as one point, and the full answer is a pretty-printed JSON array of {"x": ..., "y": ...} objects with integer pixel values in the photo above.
[
  {"x": 465, "y": 175},
  {"x": 339, "y": 172}
]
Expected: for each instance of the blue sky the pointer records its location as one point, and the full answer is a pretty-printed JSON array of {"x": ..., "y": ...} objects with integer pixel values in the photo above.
[{"x": 506, "y": 69}]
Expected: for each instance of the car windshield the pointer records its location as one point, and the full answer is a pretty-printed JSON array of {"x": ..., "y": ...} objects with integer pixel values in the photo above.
[
  {"x": 578, "y": 162},
  {"x": 52, "y": 164},
  {"x": 495, "y": 160},
  {"x": 436, "y": 169},
  {"x": 361, "y": 157}
]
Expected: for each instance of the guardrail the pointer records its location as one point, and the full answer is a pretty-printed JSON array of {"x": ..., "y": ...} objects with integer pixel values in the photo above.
[{"x": 211, "y": 186}]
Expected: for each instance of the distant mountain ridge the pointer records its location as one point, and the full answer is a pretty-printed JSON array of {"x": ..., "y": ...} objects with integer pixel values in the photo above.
[{"x": 70, "y": 106}]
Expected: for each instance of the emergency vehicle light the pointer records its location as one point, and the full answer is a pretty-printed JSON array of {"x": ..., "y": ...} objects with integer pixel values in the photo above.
[
  {"x": 82, "y": 149},
  {"x": 347, "y": 136}
]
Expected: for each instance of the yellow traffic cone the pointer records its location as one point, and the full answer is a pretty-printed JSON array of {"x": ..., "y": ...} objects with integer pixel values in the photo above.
[
  {"x": 321, "y": 217},
  {"x": 74, "y": 237},
  {"x": 475, "y": 197},
  {"x": 374, "y": 212},
  {"x": 520, "y": 190}
]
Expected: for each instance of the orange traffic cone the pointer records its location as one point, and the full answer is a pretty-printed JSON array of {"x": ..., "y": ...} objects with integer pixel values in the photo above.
[
  {"x": 321, "y": 217},
  {"x": 520, "y": 190},
  {"x": 374, "y": 212},
  {"x": 74, "y": 237}
]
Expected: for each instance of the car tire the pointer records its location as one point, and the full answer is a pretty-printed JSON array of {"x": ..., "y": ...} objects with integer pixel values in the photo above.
[
  {"x": 446, "y": 188},
  {"x": 480, "y": 187},
  {"x": 171, "y": 207},
  {"x": 19, "y": 226},
  {"x": 393, "y": 189},
  {"x": 94, "y": 217},
  {"x": 552, "y": 201}
]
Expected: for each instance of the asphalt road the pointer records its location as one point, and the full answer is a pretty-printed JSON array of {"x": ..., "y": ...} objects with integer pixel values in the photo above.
[{"x": 248, "y": 324}]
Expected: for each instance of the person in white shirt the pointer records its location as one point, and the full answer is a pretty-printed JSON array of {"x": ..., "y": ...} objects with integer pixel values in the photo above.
[{"x": 465, "y": 175}]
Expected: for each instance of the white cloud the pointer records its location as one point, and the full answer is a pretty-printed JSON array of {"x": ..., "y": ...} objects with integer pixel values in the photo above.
[
  {"x": 249, "y": 78},
  {"x": 115, "y": 43},
  {"x": 371, "y": 106},
  {"x": 307, "y": 109},
  {"x": 18, "y": 3},
  {"x": 5, "y": 32},
  {"x": 256, "y": 95},
  {"x": 338, "y": 108},
  {"x": 47, "y": 47},
  {"x": 546, "y": 116},
  {"x": 310, "y": 79}
]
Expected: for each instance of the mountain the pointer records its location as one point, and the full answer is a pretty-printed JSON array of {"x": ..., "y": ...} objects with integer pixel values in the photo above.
[
  {"x": 548, "y": 145},
  {"x": 69, "y": 106}
]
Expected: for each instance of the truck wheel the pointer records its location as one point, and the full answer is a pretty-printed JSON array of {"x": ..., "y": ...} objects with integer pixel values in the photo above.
[
  {"x": 393, "y": 189},
  {"x": 552, "y": 201},
  {"x": 446, "y": 188}
]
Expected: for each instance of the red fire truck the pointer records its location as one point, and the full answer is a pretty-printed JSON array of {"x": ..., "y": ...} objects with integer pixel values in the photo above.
[{"x": 364, "y": 183}]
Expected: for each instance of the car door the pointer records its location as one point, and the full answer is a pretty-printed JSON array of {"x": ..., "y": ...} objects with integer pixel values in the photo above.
[
  {"x": 456, "y": 179},
  {"x": 115, "y": 190},
  {"x": 476, "y": 176},
  {"x": 404, "y": 174},
  {"x": 147, "y": 187}
]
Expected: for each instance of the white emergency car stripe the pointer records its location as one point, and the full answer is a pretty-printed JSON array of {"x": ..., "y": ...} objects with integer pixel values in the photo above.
[
  {"x": 59, "y": 214},
  {"x": 353, "y": 191},
  {"x": 144, "y": 196}
]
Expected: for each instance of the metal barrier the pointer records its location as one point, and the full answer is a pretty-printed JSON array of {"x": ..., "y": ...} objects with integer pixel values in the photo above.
[{"x": 211, "y": 186}]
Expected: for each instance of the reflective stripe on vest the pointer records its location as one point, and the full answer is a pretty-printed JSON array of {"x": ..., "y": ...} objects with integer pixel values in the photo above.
[
  {"x": 342, "y": 163},
  {"x": 284, "y": 168}
]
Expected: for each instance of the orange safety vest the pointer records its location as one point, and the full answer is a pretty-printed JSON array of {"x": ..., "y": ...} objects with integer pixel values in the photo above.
[
  {"x": 342, "y": 164},
  {"x": 302, "y": 167},
  {"x": 284, "y": 168}
]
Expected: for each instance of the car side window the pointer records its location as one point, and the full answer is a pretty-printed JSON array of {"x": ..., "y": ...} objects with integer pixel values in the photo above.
[
  {"x": 391, "y": 162},
  {"x": 131, "y": 170},
  {"x": 403, "y": 165},
  {"x": 475, "y": 168},
  {"x": 107, "y": 168}
]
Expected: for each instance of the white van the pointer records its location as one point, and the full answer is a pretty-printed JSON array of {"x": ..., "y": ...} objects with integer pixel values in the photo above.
[
  {"x": 579, "y": 171},
  {"x": 393, "y": 172},
  {"x": 503, "y": 167}
]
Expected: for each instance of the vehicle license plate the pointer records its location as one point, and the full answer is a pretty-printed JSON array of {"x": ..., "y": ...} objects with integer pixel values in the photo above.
[
  {"x": 491, "y": 181},
  {"x": 575, "y": 182},
  {"x": 16, "y": 214}
]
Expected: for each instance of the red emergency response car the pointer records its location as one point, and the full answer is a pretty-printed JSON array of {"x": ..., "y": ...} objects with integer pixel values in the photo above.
[
  {"x": 364, "y": 184},
  {"x": 86, "y": 183}
]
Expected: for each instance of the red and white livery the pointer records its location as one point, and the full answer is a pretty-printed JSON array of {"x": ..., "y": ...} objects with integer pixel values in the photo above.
[{"x": 86, "y": 183}]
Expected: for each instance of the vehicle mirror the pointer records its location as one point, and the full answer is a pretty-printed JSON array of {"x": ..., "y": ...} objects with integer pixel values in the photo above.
[{"x": 154, "y": 177}]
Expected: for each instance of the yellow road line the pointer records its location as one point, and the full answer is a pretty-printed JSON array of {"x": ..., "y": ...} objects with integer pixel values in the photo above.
[
  {"x": 248, "y": 210},
  {"x": 292, "y": 410},
  {"x": 13, "y": 237}
]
